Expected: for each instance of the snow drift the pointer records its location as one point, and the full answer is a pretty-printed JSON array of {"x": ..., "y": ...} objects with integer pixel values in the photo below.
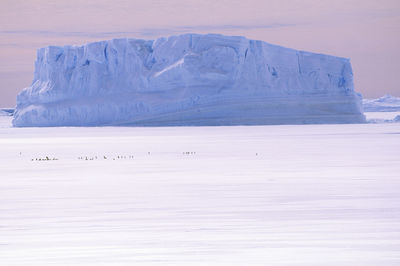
[{"x": 189, "y": 79}]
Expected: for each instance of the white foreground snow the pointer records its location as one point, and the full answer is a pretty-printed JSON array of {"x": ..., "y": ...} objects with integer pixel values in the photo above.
[{"x": 265, "y": 195}]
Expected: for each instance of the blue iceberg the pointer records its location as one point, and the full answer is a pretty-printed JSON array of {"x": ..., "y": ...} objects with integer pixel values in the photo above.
[{"x": 187, "y": 80}]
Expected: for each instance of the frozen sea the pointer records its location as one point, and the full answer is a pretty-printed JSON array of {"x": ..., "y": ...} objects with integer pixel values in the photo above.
[{"x": 259, "y": 195}]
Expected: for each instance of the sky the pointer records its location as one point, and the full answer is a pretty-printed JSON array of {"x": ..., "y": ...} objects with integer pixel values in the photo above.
[{"x": 366, "y": 31}]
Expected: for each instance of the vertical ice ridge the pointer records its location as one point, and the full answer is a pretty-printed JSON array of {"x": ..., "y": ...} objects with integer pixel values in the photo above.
[{"x": 298, "y": 63}]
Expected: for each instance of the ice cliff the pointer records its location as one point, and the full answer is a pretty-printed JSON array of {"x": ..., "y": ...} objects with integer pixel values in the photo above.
[{"x": 189, "y": 79}]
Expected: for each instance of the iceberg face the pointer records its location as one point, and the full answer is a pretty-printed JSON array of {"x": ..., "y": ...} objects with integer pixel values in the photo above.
[{"x": 189, "y": 79}]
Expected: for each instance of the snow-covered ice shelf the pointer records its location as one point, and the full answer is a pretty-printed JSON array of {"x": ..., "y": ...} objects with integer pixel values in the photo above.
[
  {"x": 5, "y": 121},
  {"x": 263, "y": 195},
  {"x": 382, "y": 117}
]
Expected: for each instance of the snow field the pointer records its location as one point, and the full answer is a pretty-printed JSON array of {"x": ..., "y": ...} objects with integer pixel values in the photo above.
[{"x": 262, "y": 195}]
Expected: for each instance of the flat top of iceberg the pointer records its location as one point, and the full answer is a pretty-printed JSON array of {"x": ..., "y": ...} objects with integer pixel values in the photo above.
[{"x": 209, "y": 35}]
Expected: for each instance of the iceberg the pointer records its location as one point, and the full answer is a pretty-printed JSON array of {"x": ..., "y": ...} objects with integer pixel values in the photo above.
[
  {"x": 6, "y": 111},
  {"x": 386, "y": 103},
  {"x": 187, "y": 80}
]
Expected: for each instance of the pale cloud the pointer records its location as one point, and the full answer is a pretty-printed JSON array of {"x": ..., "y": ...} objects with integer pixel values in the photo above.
[{"x": 139, "y": 32}]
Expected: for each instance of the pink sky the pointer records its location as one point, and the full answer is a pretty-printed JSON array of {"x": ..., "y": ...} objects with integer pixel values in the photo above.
[{"x": 367, "y": 32}]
